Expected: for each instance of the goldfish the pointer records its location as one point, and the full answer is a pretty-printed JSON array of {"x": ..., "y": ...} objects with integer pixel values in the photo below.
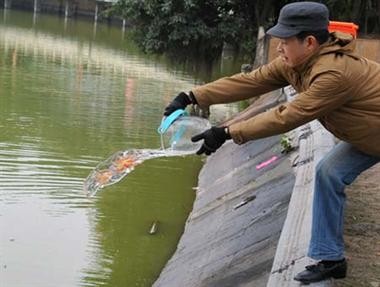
[
  {"x": 103, "y": 177},
  {"x": 123, "y": 163}
]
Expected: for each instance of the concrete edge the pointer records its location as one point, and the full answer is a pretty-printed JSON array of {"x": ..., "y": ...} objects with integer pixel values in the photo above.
[{"x": 291, "y": 254}]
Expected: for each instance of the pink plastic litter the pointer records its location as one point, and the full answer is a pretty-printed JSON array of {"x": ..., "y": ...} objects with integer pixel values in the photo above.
[{"x": 267, "y": 162}]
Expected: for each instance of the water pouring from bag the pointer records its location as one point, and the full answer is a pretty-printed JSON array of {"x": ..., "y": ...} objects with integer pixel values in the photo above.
[{"x": 175, "y": 130}]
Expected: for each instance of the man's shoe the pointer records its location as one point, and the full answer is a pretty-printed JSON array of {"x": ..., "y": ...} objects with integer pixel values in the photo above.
[{"x": 322, "y": 271}]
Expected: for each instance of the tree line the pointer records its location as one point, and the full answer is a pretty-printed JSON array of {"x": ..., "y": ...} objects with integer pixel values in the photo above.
[{"x": 202, "y": 27}]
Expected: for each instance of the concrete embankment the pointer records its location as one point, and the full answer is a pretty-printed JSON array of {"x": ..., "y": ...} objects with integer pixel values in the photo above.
[
  {"x": 227, "y": 245},
  {"x": 223, "y": 246}
]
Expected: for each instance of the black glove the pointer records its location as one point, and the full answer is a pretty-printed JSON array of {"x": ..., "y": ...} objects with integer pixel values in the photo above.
[
  {"x": 180, "y": 102},
  {"x": 213, "y": 138}
]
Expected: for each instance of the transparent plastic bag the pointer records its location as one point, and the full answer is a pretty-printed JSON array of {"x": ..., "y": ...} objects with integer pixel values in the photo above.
[{"x": 178, "y": 136}]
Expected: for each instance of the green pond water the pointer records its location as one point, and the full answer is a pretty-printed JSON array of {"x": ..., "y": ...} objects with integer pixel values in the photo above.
[{"x": 71, "y": 94}]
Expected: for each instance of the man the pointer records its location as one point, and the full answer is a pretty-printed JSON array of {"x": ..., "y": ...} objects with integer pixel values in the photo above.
[{"x": 335, "y": 86}]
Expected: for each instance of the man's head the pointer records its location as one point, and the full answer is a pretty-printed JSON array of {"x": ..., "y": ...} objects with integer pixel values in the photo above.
[{"x": 301, "y": 27}]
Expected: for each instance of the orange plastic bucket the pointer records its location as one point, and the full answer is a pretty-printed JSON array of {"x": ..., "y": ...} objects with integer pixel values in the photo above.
[{"x": 344, "y": 27}]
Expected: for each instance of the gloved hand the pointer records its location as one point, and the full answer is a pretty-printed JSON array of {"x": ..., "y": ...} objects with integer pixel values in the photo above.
[
  {"x": 180, "y": 102},
  {"x": 213, "y": 138}
]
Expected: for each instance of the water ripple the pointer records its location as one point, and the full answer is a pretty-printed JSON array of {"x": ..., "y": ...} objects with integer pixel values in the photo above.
[{"x": 27, "y": 169}]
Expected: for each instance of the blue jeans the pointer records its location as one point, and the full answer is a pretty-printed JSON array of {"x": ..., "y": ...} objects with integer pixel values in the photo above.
[{"x": 337, "y": 169}]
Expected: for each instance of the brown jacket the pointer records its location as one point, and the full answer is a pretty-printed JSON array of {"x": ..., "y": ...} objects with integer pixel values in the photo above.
[{"x": 336, "y": 86}]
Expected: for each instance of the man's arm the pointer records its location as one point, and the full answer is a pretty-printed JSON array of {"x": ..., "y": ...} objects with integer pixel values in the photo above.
[
  {"x": 242, "y": 86},
  {"x": 328, "y": 91}
]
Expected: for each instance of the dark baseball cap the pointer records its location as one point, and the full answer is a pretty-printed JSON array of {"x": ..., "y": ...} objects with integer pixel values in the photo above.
[{"x": 299, "y": 17}]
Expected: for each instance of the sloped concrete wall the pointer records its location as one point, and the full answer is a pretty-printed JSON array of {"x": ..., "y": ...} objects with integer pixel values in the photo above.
[
  {"x": 227, "y": 247},
  {"x": 223, "y": 246}
]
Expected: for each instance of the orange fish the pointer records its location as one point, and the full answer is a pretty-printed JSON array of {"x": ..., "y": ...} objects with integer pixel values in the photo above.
[
  {"x": 103, "y": 177},
  {"x": 123, "y": 163}
]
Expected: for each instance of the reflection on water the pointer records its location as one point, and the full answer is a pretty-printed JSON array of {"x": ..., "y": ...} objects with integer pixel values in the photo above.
[
  {"x": 69, "y": 99},
  {"x": 40, "y": 226}
]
